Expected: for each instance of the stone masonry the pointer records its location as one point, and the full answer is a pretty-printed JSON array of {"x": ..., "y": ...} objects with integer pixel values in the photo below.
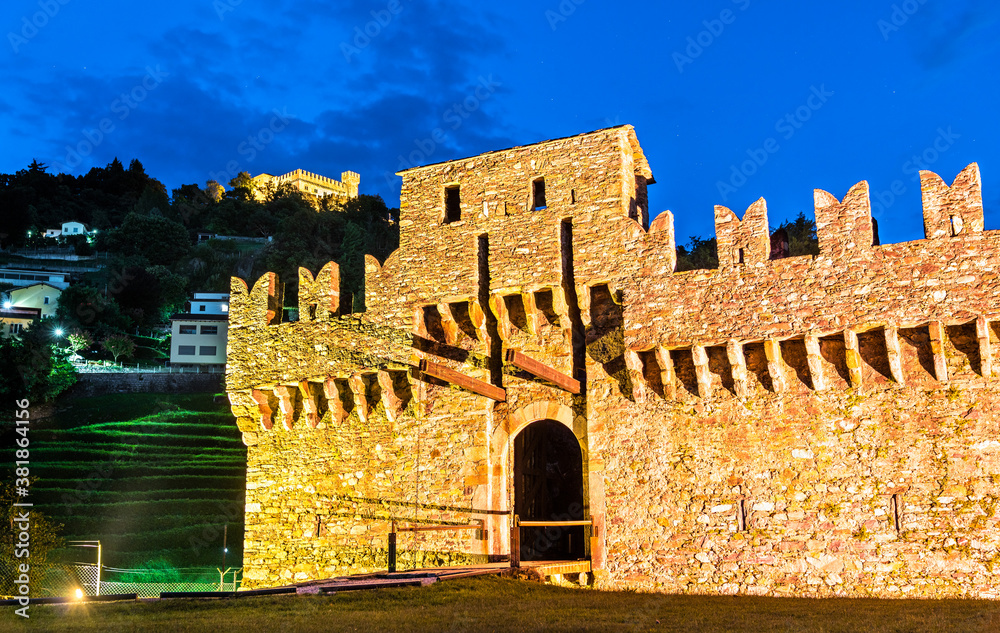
[{"x": 820, "y": 425}]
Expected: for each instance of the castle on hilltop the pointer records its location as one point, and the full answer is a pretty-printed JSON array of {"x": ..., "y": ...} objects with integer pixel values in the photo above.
[
  {"x": 314, "y": 185},
  {"x": 814, "y": 425}
]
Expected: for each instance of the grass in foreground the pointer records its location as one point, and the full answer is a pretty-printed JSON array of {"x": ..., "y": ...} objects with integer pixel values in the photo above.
[{"x": 491, "y": 604}]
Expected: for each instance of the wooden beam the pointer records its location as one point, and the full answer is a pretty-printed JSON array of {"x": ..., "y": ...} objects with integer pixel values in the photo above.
[
  {"x": 461, "y": 380},
  {"x": 540, "y": 370}
]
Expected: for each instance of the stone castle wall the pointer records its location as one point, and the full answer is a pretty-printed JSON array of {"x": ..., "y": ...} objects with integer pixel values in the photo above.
[
  {"x": 99, "y": 384},
  {"x": 811, "y": 425}
]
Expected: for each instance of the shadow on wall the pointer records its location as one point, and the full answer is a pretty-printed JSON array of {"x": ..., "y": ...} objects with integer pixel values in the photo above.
[{"x": 605, "y": 336}]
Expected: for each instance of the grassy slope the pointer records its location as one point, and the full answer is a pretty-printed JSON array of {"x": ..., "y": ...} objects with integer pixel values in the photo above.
[
  {"x": 149, "y": 475},
  {"x": 489, "y": 604}
]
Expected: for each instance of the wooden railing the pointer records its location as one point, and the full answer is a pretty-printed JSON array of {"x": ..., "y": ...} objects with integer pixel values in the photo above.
[
  {"x": 515, "y": 534},
  {"x": 422, "y": 528}
]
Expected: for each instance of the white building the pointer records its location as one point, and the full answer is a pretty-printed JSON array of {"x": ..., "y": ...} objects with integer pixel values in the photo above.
[
  {"x": 73, "y": 228},
  {"x": 19, "y": 278},
  {"x": 198, "y": 337}
]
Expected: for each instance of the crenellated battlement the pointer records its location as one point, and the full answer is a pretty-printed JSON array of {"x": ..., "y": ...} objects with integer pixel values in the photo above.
[
  {"x": 846, "y": 226},
  {"x": 955, "y": 210},
  {"x": 745, "y": 242}
]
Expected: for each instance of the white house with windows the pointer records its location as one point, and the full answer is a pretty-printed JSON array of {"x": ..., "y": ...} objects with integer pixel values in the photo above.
[
  {"x": 198, "y": 337},
  {"x": 73, "y": 228}
]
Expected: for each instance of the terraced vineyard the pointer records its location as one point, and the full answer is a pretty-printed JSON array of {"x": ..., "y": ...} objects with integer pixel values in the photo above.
[{"x": 154, "y": 477}]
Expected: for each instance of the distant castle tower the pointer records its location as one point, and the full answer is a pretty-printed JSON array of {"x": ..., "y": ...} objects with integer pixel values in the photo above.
[{"x": 315, "y": 185}]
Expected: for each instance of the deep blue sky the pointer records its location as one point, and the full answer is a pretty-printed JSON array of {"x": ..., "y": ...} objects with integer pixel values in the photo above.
[{"x": 897, "y": 78}]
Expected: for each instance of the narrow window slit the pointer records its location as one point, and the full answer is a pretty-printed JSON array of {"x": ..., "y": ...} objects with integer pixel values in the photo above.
[
  {"x": 896, "y": 512},
  {"x": 741, "y": 515},
  {"x": 452, "y": 204},
  {"x": 538, "y": 193}
]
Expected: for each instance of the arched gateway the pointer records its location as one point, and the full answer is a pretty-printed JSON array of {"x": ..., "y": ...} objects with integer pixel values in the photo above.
[{"x": 548, "y": 486}]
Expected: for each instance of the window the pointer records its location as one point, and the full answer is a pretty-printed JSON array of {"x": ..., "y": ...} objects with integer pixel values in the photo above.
[
  {"x": 572, "y": 196},
  {"x": 741, "y": 515},
  {"x": 956, "y": 225},
  {"x": 185, "y": 350},
  {"x": 187, "y": 329},
  {"x": 46, "y": 301},
  {"x": 896, "y": 512},
  {"x": 538, "y": 193},
  {"x": 452, "y": 204},
  {"x": 201, "y": 308},
  {"x": 210, "y": 329},
  {"x": 206, "y": 350},
  {"x": 15, "y": 328}
]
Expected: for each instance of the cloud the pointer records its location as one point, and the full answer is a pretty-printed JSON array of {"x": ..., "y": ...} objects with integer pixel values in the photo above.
[
  {"x": 941, "y": 34},
  {"x": 419, "y": 81}
]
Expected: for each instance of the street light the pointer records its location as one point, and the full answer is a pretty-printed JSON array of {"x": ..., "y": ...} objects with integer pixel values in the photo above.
[{"x": 59, "y": 332}]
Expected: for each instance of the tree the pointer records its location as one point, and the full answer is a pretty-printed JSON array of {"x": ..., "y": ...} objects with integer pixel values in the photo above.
[
  {"x": 697, "y": 254},
  {"x": 352, "y": 267},
  {"x": 86, "y": 307},
  {"x": 159, "y": 240},
  {"x": 119, "y": 345},
  {"x": 802, "y": 239},
  {"x": 153, "y": 201},
  {"x": 214, "y": 190},
  {"x": 140, "y": 295},
  {"x": 78, "y": 341},
  {"x": 244, "y": 187},
  {"x": 44, "y": 538},
  {"x": 33, "y": 367}
]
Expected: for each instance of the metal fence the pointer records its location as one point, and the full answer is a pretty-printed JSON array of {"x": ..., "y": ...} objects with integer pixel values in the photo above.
[
  {"x": 149, "y": 583},
  {"x": 105, "y": 367},
  {"x": 65, "y": 580}
]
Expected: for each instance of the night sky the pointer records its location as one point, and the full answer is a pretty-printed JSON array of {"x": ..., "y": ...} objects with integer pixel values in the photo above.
[{"x": 731, "y": 99}]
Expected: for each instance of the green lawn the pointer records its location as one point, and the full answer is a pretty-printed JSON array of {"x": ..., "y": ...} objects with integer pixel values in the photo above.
[
  {"x": 491, "y": 604},
  {"x": 152, "y": 476}
]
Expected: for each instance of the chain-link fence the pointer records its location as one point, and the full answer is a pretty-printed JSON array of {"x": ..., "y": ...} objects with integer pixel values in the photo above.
[
  {"x": 42, "y": 581},
  {"x": 64, "y": 580},
  {"x": 149, "y": 583}
]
